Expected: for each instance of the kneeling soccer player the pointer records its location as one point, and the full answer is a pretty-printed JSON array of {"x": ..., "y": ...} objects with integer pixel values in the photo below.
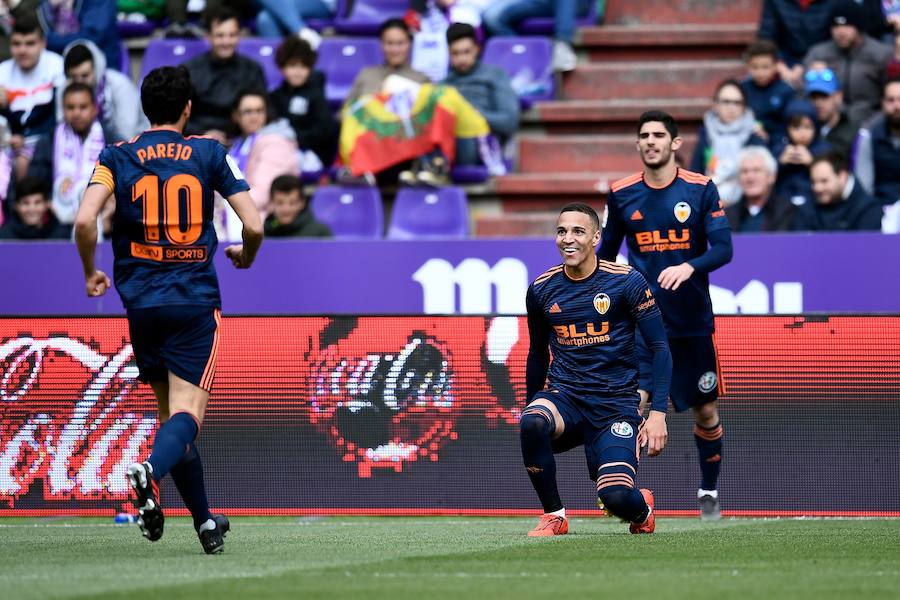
[{"x": 586, "y": 311}]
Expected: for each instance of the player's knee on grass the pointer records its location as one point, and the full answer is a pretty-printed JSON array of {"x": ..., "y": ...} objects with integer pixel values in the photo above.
[{"x": 624, "y": 502}]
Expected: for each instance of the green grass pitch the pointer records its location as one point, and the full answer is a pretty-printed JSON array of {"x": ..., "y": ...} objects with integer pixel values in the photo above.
[{"x": 463, "y": 557}]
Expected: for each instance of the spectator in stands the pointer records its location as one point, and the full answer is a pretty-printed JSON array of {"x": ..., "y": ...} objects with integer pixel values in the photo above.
[
  {"x": 878, "y": 150},
  {"x": 795, "y": 152},
  {"x": 795, "y": 26},
  {"x": 7, "y": 181},
  {"x": 486, "y": 87},
  {"x": 301, "y": 100},
  {"x": 263, "y": 151},
  {"x": 31, "y": 218},
  {"x": 429, "y": 20},
  {"x": 287, "y": 17},
  {"x": 396, "y": 44},
  {"x": 218, "y": 76},
  {"x": 117, "y": 97},
  {"x": 66, "y": 157},
  {"x": 841, "y": 203},
  {"x": 760, "y": 208},
  {"x": 290, "y": 215},
  {"x": 27, "y": 84},
  {"x": 10, "y": 12},
  {"x": 824, "y": 91},
  {"x": 66, "y": 21},
  {"x": 862, "y": 59},
  {"x": 891, "y": 9},
  {"x": 501, "y": 17},
  {"x": 727, "y": 127},
  {"x": 767, "y": 94}
]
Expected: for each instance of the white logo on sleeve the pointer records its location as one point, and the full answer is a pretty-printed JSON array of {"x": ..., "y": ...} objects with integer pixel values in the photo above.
[{"x": 235, "y": 169}]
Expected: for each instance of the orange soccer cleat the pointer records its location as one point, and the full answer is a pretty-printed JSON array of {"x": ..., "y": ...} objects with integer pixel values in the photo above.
[
  {"x": 649, "y": 525},
  {"x": 550, "y": 525}
]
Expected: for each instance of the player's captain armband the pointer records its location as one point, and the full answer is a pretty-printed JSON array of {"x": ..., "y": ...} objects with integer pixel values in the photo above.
[
  {"x": 103, "y": 176},
  {"x": 235, "y": 169}
]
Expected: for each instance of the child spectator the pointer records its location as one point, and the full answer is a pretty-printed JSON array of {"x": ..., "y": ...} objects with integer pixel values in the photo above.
[
  {"x": 31, "y": 218},
  {"x": 796, "y": 151},
  {"x": 290, "y": 213},
  {"x": 66, "y": 157},
  {"x": 301, "y": 100},
  {"x": 767, "y": 95}
]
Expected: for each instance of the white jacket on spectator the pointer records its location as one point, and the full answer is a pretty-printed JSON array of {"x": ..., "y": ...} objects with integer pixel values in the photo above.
[{"x": 118, "y": 99}]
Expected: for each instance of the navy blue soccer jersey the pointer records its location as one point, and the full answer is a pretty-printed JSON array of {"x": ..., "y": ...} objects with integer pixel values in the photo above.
[
  {"x": 665, "y": 227},
  {"x": 590, "y": 325},
  {"x": 163, "y": 235}
]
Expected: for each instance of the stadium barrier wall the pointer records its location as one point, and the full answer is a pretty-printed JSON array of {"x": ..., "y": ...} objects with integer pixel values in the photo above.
[
  {"x": 775, "y": 274},
  {"x": 418, "y": 415}
]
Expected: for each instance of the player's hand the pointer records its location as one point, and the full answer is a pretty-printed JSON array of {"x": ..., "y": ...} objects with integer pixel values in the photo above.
[
  {"x": 654, "y": 434},
  {"x": 96, "y": 283},
  {"x": 674, "y": 276},
  {"x": 236, "y": 254}
]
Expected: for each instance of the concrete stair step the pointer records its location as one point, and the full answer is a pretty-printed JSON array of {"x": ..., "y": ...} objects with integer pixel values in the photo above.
[
  {"x": 528, "y": 224},
  {"x": 585, "y": 153},
  {"x": 666, "y": 41},
  {"x": 612, "y": 116},
  {"x": 642, "y": 12},
  {"x": 662, "y": 79}
]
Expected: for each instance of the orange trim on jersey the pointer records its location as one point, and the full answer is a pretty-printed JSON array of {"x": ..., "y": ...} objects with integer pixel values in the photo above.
[
  {"x": 692, "y": 177},
  {"x": 608, "y": 264},
  {"x": 104, "y": 177},
  {"x": 548, "y": 274},
  {"x": 566, "y": 273},
  {"x": 662, "y": 187},
  {"x": 627, "y": 181},
  {"x": 210, "y": 370}
]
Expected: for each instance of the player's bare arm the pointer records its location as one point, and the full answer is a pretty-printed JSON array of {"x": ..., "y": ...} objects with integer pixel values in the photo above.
[
  {"x": 242, "y": 255},
  {"x": 95, "y": 197}
]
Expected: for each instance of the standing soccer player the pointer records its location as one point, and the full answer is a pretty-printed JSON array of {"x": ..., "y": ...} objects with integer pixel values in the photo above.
[
  {"x": 163, "y": 242},
  {"x": 585, "y": 311},
  {"x": 677, "y": 233}
]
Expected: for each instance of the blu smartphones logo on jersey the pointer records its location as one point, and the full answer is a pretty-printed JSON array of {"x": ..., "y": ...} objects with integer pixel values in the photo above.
[
  {"x": 582, "y": 335},
  {"x": 658, "y": 241}
]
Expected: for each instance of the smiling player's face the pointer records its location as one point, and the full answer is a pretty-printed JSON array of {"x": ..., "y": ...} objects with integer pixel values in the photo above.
[
  {"x": 655, "y": 145},
  {"x": 576, "y": 238}
]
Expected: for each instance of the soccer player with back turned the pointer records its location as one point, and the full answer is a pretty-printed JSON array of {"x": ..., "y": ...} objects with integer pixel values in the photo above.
[
  {"x": 585, "y": 311},
  {"x": 163, "y": 242},
  {"x": 677, "y": 233}
]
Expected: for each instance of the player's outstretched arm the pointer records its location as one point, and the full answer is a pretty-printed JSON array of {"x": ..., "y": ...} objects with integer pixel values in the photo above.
[
  {"x": 95, "y": 196},
  {"x": 242, "y": 255}
]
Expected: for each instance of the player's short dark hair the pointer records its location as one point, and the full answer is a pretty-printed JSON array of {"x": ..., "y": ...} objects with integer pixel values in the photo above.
[
  {"x": 285, "y": 184},
  {"x": 461, "y": 31},
  {"x": 837, "y": 161},
  {"x": 761, "y": 48},
  {"x": 164, "y": 94},
  {"x": 250, "y": 92},
  {"x": 28, "y": 186},
  {"x": 659, "y": 116},
  {"x": 219, "y": 14},
  {"x": 77, "y": 55},
  {"x": 395, "y": 23},
  {"x": 293, "y": 48},
  {"x": 76, "y": 87},
  {"x": 27, "y": 24},
  {"x": 582, "y": 208}
]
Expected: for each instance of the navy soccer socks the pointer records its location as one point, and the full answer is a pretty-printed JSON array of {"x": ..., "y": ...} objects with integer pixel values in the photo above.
[
  {"x": 188, "y": 477},
  {"x": 626, "y": 503},
  {"x": 172, "y": 439},
  {"x": 709, "y": 442},
  {"x": 535, "y": 433}
]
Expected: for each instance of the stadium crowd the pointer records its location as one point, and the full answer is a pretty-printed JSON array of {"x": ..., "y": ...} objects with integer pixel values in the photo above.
[{"x": 809, "y": 140}]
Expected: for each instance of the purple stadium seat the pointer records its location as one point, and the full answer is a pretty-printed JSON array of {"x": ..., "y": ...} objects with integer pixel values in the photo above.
[
  {"x": 320, "y": 24},
  {"x": 262, "y": 50},
  {"x": 341, "y": 59},
  {"x": 429, "y": 213},
  {"x": 366, "y": 16},
  {"x": 544, "y": 25},
  {"x": 350, "y": 211},
  {"x": 130, "y": 29},
  {"x": 168, "y": 53},
  {"x": 527, "y": 60}
]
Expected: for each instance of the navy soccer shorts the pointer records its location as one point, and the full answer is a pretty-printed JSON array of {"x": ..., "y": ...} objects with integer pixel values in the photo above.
[
  {"x": 180, "y": 339},
  {"x": 611, "y": 438},
  {"x": 695, "y": 370}
]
